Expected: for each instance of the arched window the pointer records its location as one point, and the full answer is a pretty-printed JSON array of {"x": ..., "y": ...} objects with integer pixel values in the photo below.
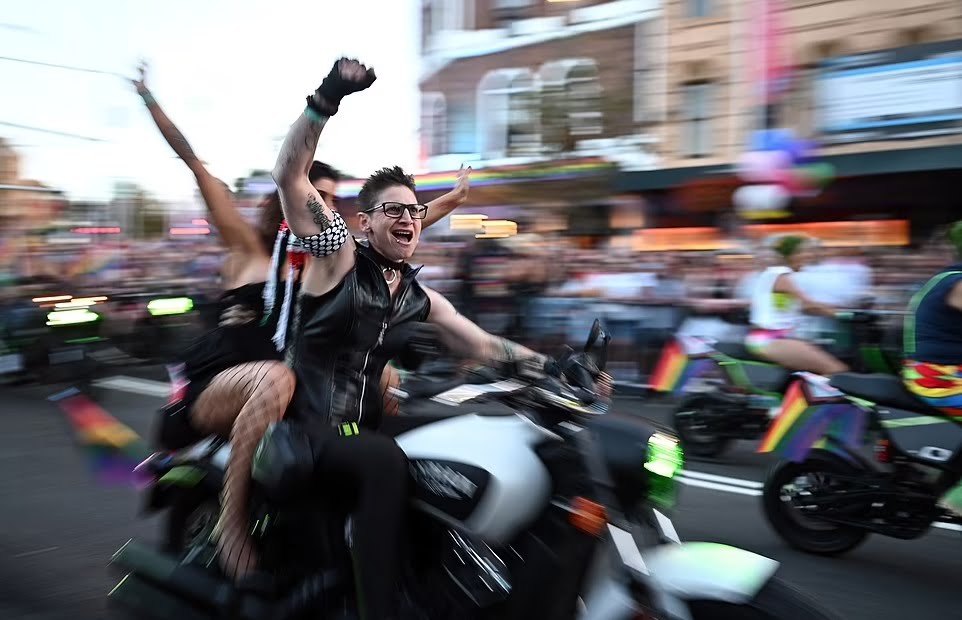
[
  {"x": 571, "y": 102},
  {"x": 508, "y": 118},
  {"x": 434, "y": 124}
]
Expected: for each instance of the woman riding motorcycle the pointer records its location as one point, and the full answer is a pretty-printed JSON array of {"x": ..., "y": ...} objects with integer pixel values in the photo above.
[
  {"x": 238, "y": 383},
  {"x": 777, "y": 305},
  {"x": 351, "y": 296},
  {"x": 932, "y": 369}
]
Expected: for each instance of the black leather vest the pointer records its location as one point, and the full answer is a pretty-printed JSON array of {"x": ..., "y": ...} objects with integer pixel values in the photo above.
[{"x": 336, "y": 352}]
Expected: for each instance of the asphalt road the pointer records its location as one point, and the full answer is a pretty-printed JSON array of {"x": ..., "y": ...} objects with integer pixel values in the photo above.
[{"x": 58, "y": 527}]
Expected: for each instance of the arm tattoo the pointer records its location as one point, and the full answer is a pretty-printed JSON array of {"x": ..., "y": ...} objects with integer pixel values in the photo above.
[
  {"x": 311, "y": 136},
  {"x": 180, "y": 145},
  {"x": 320, "y": 218}
]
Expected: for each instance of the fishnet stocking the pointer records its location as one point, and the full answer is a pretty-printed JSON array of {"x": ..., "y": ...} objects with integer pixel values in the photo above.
[{"x": 241, "y": 401}]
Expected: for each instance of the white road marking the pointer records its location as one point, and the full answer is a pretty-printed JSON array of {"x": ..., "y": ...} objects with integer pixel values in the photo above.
[
  {"x": 135, "y": 385},
  {"x": 738, "y": 482},
  {"x": 27, "y": 554},
  {"x": 752, "y": 488},
  {"x": 726, "y": 488}
]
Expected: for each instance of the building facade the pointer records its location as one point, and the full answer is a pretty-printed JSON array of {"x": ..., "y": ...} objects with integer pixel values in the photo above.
[{"x": 669, "y": 92}]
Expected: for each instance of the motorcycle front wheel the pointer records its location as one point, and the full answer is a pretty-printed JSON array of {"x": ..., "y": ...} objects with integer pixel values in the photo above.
[
  {"x": 821, "y": 475},
  {"x": 776, "y": 601}
]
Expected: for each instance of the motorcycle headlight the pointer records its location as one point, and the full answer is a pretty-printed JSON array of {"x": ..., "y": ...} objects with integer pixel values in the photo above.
[
  {"x": 665, "y": 459},
  {"x": 168, "y": 306},
  {"x": 665, "y": 456},
  {"x": 71, "y": 317}
]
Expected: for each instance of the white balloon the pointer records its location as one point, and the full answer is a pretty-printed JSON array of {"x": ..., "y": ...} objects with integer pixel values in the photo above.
[{"x": 761, "y": 198}]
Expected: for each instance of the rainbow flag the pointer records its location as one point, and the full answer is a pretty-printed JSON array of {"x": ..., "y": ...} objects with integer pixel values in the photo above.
[
  {"x": 675, "y": 368},
  {"x": 802, "y": 425},
  {"x": 113, "y": 449},
  {"x": 480, "y": 177}
]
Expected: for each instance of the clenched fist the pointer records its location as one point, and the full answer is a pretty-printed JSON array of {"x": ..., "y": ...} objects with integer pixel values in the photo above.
[{"x": 347, "y": 76}]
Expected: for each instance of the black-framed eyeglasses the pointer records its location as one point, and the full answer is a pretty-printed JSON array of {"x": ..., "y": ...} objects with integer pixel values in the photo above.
[{"x": 396, "y": 210}]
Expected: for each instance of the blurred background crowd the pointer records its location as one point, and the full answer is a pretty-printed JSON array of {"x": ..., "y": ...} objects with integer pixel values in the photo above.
[{"x": 630, "y": 157}]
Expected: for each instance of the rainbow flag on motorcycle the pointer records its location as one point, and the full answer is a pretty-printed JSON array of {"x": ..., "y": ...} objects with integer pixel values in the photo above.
[
  {"x": 113, "y": 450},
  {"x": 682, "y": 360},
  {"x": 814, "y": 415}
]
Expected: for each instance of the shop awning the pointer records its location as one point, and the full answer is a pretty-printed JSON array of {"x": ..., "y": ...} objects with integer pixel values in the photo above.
[{"x": 855, "y": 164}]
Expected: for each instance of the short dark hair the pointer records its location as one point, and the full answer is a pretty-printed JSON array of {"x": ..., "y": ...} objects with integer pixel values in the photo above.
[
  {"x": 271, "y": 213},
  {"x": 320, "y": 170},
  {"x": 380, "y": 181}
]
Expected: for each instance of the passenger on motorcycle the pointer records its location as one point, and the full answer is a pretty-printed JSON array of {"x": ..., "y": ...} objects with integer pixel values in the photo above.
[
  {"x": 352, "y": 295},
  {"x": 777, "y": 306},
  {"x": 238, "y": 382},
  {"x": 932, "y": 367}
]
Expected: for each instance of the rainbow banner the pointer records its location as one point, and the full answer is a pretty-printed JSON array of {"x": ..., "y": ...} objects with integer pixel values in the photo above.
[
  {"x": 113, "y": 449},
  {"x": 802, "y": 425},
  {"x": 557, "y": 171},
  {"x": 675, "y": 368}
]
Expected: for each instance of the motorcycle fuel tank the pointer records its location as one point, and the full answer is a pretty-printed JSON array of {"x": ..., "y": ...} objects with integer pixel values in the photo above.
[{"x": 480, "y": 473}]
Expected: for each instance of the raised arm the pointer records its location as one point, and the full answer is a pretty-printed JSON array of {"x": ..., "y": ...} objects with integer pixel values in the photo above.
[
  {"x": 238, "y": 235},
  {"x": 465, "y": 339},
  {"x": 319, "y": 229},
  {"x": 443, "y": 205}
]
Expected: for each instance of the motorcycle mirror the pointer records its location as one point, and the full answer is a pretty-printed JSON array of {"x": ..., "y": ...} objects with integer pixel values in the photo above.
[
  {"x": 593, "y": 335},
  {"x": 598, "y": 333}
]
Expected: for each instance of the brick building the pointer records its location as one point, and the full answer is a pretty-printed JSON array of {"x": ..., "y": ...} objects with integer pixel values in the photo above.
[{"x": 665, "y": 91}]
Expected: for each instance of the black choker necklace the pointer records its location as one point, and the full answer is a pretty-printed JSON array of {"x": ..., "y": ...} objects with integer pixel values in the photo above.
[{"x": 389, "y": 268}]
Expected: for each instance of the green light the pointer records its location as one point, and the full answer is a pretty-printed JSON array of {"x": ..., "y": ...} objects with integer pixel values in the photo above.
[
  {"x": 665, "y": 457},
  {"x": 71, "y": 317},
  {"x": 171, "y": 305}
]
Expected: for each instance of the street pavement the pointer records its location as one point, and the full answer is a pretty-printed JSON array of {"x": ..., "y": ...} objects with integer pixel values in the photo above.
[{"x": 58, "y": 527}]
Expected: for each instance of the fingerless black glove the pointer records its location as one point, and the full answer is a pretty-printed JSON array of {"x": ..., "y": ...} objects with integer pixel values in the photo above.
[{"x": 327, "y": 98}]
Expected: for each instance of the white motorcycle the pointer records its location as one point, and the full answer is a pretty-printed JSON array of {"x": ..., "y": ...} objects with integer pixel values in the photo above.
[{"x": 555, "y": 509}]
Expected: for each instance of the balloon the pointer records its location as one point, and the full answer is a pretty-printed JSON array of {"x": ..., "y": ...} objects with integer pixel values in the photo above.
[
  {"x": 824, "y": 173},
  {"x": 777, "y": 197},
  {"x": 761, "y": 198},
  {"x": 759, "y": 141},
  {"x": 771, "y": 139},
  {"x": 744, "y": 198},
  {"x": 792, "y": 181},
  {"x": 762, "y": 166},
  {"x": 805, "y": 152}
]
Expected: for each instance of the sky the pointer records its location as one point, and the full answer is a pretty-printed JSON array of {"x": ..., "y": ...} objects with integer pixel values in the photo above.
[{"x": 232, "y": 75}]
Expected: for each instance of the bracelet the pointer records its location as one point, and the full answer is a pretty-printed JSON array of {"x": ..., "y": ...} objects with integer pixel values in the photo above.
[
  {"x": 313, "y": 115},
  {"x": 148, "y": 98}
]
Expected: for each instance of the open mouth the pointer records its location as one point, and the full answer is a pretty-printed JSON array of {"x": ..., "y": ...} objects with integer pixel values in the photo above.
[{"x": 404, "y": 237}]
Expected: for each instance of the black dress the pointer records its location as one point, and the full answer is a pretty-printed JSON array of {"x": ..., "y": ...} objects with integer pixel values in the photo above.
[
  {"x": 226, "y": 346},
  {"x": 336, "y": 351}
]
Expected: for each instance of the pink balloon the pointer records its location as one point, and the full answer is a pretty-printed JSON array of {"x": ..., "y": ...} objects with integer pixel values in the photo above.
[
  {"x": 753, "y": 166},
  {"x": 763, "y": 166}
]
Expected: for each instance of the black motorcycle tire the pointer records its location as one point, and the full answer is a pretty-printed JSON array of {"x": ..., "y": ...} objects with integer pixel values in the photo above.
[
  {"x": 829, "y": 539},
  {"x": 776, "y": 601},
  {"x": 190, "y": 521},
  {"x": 694, "y": 444}
]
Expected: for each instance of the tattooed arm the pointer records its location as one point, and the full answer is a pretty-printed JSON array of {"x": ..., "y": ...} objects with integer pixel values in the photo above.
[
  {"x": 304, "y": 209},
  {"x": 321, "y": 230},
  {"x": 465, "y": 339},
  {"x": 239, "y": 236}
]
